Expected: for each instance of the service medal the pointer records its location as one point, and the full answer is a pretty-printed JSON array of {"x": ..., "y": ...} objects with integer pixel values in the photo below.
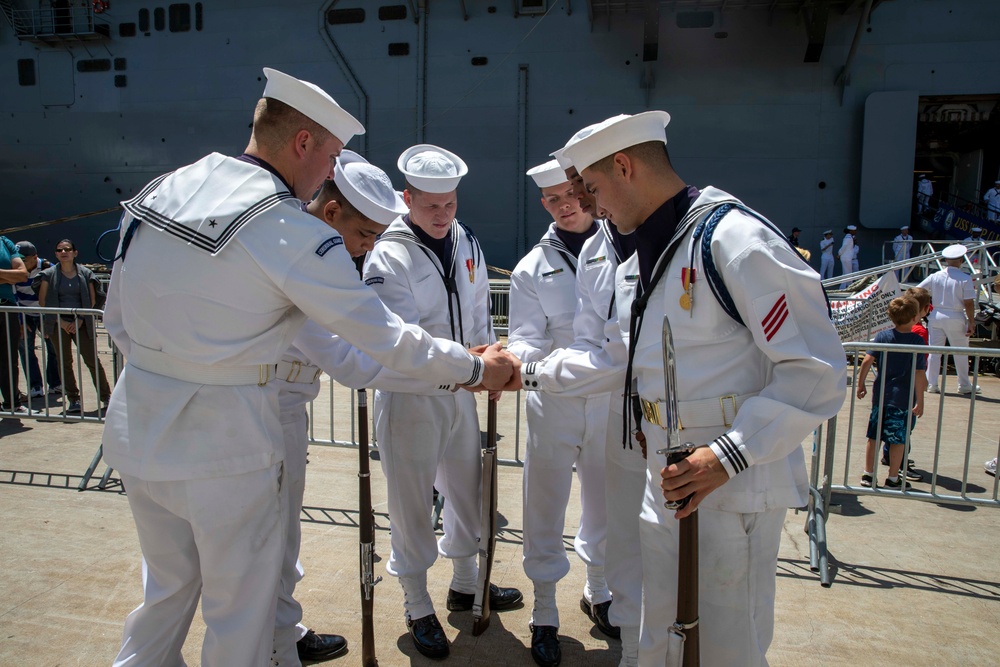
[{"x": 686, "y": 301}]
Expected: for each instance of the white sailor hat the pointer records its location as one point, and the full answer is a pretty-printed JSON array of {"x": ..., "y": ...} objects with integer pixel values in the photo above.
[
  {"x": 904, "y": 228},
  {"x": 954, "y": 251},
  {"x": 312, "y": 102},
  {"x": 548, "y": 174},
  {"x": 559, "y": 155},
  {"x": 976, "y": 230},
  {"x": 615, "y": 134},
  {"x": 829, "y": 231},
  {"x": 852, "y": 228},
  {"x": 431, "y": 168},
  {"x": 367, "y": 188}
]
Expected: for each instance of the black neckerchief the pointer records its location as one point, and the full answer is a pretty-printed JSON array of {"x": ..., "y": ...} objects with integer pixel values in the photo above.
[
  {"x": 654, "y": 251},
  {"x": 575, "y": 240},
  {"x": 264, "y": 164},
  {"x": 444, "y": 250},
  {"x": 624, "y": 244}
]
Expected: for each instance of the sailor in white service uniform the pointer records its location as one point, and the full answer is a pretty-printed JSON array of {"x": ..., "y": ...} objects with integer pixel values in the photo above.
[
  {"x": 846, "y": 253},
  {"x": 826, "y": 255},
  {"x": 562, "y": 431},
  {"x": 359, "y": 203},
  {"x": 901, "y": 250},
  {"x": 625, "y": 468},
  {"x": 752, "y": 391},
  {"x": 203, "y": 304},
  {"x": 429, "y": 269}
]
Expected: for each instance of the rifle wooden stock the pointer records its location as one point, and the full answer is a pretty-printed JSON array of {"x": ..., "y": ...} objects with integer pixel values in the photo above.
[
  {"x": 686, "y": 625},
  {"x": 366, "y": 526},
  {"x": 488, "y": 530}
]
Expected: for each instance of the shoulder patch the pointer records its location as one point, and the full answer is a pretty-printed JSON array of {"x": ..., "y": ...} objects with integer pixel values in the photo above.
[
  {"x": 374, "y": 280},
  {"x": 772, "y": 316},
  {"x": 329, "y": 244}
]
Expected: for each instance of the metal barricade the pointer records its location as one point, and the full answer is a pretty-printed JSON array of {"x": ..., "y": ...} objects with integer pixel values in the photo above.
[
  {"x": 89, "y": 345},
  {"x": 962, "y": 439}
]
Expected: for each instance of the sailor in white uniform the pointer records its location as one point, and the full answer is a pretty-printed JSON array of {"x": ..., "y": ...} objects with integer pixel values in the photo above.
[
  {"x": 562, "y": 431},
  {"x": 359, "y": 203},
  {"x": 901, "y": 249},
  {"x": 974, "y": 242},
  {"x": 752, "y": 392},
  {"x": 429, "y": 269},
  {"x": 846, "y": 253},
  {"x": 826, "y": 256},
  {"x": 625, "y": 468},
  {"x": 202, "y": 304},
  {"x": 992, "y": 201},
  {"x": 953, "y": 294},
  {"x": 924, "y": 191}
]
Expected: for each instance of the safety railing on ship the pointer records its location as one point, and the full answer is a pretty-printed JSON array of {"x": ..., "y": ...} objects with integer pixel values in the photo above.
[{"x": 949, "y": 445}]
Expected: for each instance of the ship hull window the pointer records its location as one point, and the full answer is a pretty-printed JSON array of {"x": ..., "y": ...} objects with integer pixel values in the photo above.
[
  {"x": 94, "y": 65},
  {"x": 159, "y": 18},
  {"x": 198, "y": 22},
  {"x": 399, "y": 49},
  {"x": 180, "y": 17},
  {"x": 126, "y": 29},
  {"x": 392, "y": 13},
  {"x": 344, "y": 16},
  {"x": 26, "y": 72},
  {"x": 144, "y": 20}
]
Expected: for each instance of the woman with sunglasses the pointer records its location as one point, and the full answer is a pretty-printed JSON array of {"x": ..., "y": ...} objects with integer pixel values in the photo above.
[{"x": 69, "y": 285}]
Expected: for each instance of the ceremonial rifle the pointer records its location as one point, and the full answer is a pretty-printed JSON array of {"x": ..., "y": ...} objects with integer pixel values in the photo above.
[
  {"x": 366, "y": 525},
  {"x": 488, "y": 528},
  {"x": 683, "y": 644}
]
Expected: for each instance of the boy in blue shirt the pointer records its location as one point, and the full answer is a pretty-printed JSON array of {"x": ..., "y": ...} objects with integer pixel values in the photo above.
[{"x": 903, "y": 399}]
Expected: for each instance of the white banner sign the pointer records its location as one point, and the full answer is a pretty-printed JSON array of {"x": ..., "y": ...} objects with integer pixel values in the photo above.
[{"x": 860, "y": 317}]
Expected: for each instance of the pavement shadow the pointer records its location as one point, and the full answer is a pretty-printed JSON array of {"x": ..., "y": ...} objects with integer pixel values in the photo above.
[{"x": 848, "y": 505}]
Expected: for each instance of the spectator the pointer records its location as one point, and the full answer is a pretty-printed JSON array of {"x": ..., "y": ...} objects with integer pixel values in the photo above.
[
  {"x": 992, "y": 199},
  {"x": 826, "y": 255},
  {"x": 974, "y": 243},
  {"x": 794, "y": 237},
  {"x": 924, "y": 191},
  {"x": 12, "y": 271},
  {"x": 897, "y": 404},
  {"x": 953, "y": 318},
  {"x": 69, "y": 285},
  {"x": 27, "y": 298}
]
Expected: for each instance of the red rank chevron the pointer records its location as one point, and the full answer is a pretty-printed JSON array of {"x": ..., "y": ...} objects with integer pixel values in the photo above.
[{"x": 774, "y": 319}]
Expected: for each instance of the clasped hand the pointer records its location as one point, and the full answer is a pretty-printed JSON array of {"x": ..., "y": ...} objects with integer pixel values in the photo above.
[{"x": 501, "y": 369}]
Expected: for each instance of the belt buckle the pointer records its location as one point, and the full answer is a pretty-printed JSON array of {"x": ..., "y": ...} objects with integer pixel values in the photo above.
[
  {"x": 264, "y": 373},
  {"x": 722, "y": 405},
  {"x": 651, "y": 411},
  {"x": 293, "y": 374}
]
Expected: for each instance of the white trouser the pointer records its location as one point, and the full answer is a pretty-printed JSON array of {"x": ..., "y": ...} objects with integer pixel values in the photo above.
[
  {"x": 855, "y": 266},
  {"x": 826, "y": 266},
  {"x": 738, "y": 559},
  {"x": 845, "y": 268},
  {"x": 563, "y": 431},
  {"x": 625, "y": 482},
  {"x": 953, "y": 328},
  {"x": 427, "y": 442},
  {"x": 287, "y": 626},
  {"x": 220, "y": 537}
]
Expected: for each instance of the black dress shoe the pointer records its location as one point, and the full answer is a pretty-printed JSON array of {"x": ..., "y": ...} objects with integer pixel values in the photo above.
[
  {"x": 598, "y": 613},
  {"x": 428, "y": 637},
  {"x": 545, "y": 649},
  {"x": 500, "y": 599},
  {"x": 317, "y": 648}
]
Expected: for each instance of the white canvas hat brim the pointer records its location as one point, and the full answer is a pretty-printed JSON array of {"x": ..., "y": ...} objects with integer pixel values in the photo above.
[
  {"x": 426, "y": 180},
  {"x": 312, "y": 102},
  {"x": 367, "y": 188},
  {"x": 616, "y": 134}
]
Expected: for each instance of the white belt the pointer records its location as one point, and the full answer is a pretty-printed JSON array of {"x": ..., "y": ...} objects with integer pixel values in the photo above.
[
  {"x": 703, "y": 413},
  {"x": 296, "y": 371},
  {"x": 157, "y": 362}
]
